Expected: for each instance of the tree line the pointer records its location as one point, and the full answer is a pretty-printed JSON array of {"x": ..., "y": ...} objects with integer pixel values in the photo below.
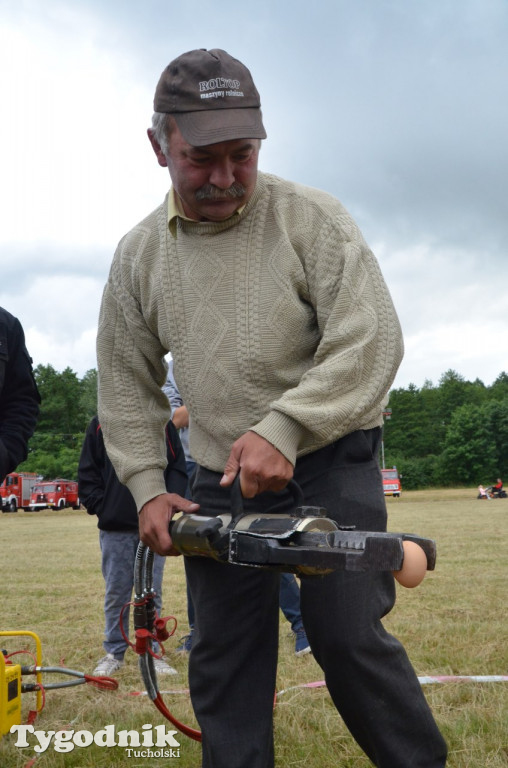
[
  {"x": 455, "y": 433},
  {"x": 67, "y": 405}
]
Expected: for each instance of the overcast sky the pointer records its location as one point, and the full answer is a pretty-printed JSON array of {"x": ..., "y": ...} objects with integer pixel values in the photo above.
[{"x": 397, "y": 107}]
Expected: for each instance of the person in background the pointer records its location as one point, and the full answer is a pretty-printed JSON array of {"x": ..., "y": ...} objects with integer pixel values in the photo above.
[
  {"x": 103, "y": 495},
  {"x": 289, "y": 602},
  {"x": 497, "y": 487},
  {"x": 180, "y": 418},
  {"x": 19, "y": 396},
  {"x": 286, "y": 342}
]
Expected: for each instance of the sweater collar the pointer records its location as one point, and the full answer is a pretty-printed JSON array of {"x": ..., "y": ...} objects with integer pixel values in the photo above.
[{"x": 179, "y": 222}]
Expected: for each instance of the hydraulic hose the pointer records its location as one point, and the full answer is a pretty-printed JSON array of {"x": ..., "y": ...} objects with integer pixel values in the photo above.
[{"x": 144, "y": 620}]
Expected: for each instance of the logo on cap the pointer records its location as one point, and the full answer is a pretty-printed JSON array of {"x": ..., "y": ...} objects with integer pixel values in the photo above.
[
  {"x": 212, "y": 86},
  {"x": 218, "y": 82}
]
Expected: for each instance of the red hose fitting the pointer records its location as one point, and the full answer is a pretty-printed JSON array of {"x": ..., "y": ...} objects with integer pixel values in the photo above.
[
  {"x": 142, "y": 638},
  {"x": 160, "y": 631}
]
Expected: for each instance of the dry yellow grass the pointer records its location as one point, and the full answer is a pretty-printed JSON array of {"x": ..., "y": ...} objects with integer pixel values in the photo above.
[{"x": 454, "y": 624}]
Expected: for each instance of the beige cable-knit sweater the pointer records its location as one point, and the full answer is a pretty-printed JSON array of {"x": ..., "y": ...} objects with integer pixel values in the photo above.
[{"x": 278, "y": 320}]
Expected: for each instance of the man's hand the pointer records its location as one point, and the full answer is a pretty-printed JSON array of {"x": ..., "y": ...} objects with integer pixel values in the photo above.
[
  {"x": 262, "y": 467},
  {"x": 155, "y": 517}
]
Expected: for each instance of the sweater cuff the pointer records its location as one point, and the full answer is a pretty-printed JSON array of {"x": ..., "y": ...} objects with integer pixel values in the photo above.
[
  {"x": 283, "y": 432},
  {"x": 146, "y": 485}
]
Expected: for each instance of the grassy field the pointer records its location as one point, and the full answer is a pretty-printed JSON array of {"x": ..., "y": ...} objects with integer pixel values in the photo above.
[{"x": 455, "y": 623}]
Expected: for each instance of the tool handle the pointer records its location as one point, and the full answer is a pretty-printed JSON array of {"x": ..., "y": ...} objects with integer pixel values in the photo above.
[{"x": 237, "y": 510}]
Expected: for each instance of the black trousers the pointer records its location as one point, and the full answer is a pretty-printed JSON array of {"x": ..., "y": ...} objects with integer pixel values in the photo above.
[{"x": 232, "y": 666}]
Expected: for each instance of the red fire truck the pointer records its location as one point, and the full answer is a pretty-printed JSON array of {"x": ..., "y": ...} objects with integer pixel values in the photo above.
[
  {"x": 56, "y": 494},
  {"x": 15, "y": 491},
  {"x": 391, "y": 482}
]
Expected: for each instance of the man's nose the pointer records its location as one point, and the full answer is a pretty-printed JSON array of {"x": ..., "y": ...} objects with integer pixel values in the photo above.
[{"x": 222, "y": 174}]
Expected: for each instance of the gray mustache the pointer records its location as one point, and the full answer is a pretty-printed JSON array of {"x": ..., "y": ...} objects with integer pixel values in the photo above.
[{"x": 209, "y": 192}]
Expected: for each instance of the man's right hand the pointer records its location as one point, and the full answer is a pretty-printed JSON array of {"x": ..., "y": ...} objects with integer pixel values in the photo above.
[{"x": 154, "y": 519}]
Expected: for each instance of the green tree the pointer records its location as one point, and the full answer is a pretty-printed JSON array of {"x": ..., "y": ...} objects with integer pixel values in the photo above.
[
  {"x": 416, "y": 427},
  {"x": 401, "y": 429},
  {"x": 470, "y": 453},
  {"x": 419, "y": 437},
  {"x": 89, "y": 393},
  {"x": 452, "y": 394},
  {"x": 55, "y": 447},
  {"x": 415, "y": 473},
  {"x": 496, "y": 417},
  {"x": 62, "y": 409},
  {"x": 499, "y": 389}
]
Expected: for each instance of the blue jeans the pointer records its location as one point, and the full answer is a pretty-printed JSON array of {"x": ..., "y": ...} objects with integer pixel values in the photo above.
[
  {"x": 232, "y": 667},
  {"x": 118, "y": 550},
  {"x": 289, "y": 600}
]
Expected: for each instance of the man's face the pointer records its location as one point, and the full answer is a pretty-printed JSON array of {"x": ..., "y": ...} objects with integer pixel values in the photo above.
[{"x": 213, "y": 181}]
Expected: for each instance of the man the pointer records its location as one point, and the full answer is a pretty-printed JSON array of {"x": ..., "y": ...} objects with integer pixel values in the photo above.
[
  {"x": 104, "y": 495},
  {"x": 285, "y": 343},
  {"x": 19, "y": 396}
]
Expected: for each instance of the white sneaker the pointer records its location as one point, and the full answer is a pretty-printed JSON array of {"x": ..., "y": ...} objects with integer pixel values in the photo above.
[
  {"x": 302, "y": 646},
  {"x": 107, "y": 666},
  {"x": 162, "y": 667}
]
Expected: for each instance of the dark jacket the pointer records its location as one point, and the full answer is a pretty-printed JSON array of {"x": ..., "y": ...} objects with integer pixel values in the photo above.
[
  {"x": 19, "y": 396},
  {"x": 102, "y": 493}
]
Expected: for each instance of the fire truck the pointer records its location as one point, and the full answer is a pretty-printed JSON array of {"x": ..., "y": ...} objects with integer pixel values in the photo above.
[
  {"x": 391, "y": 482},
  {"x": 15, "y": 491},
  {"x": 55, "y": 494}
]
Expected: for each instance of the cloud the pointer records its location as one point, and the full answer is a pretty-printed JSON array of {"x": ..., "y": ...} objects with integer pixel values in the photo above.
[
  {"x": 442, "y": 348},
  {"x": 74, "y": 107},
  {"x": 453, "y": 313},
  {"x": 396, "y": 108},
  {"x": 59, "y": 316}
]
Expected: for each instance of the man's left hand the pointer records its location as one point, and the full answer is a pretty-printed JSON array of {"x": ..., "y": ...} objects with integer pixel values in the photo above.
[{"x": 261, "y": 466}]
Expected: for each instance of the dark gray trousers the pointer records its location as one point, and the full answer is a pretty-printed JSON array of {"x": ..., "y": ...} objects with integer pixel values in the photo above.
[{"x": 232, "y": 666}]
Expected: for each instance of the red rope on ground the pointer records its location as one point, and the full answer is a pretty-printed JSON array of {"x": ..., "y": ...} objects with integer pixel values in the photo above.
[{"x": 103, "y": 682}]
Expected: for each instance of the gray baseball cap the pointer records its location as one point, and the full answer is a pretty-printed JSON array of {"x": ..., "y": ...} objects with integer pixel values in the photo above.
[{"x": 211, "y": 96}]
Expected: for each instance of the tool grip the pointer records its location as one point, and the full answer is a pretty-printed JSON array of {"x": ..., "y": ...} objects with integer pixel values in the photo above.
[{"x": 237, "y": 498}]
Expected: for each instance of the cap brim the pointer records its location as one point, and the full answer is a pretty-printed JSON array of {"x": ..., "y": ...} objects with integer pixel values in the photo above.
[{"x": 215, "y": 125}]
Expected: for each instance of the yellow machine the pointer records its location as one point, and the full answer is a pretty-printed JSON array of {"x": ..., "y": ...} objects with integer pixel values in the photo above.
[
  {"x": 10, "y": 685},
  {"x": 10, "y": 695}
]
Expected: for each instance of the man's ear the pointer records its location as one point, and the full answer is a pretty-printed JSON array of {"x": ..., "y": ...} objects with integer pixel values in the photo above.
[{"x": 159, "y": 154}]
